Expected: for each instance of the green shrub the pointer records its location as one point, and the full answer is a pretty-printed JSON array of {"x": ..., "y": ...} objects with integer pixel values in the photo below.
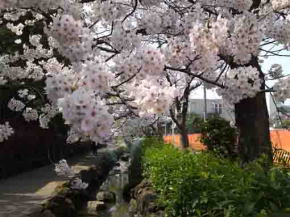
[
  {"x": 194, "y": 123},
  {"x": 218, "y": 135},
  {"x": 203, "y": 184}
]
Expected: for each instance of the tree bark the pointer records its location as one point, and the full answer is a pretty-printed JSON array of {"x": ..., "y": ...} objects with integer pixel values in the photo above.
[
  {"x": 184, "y": 138},
  {"x": 182, "y": 108},
  {"x": 252, "y": 121}
]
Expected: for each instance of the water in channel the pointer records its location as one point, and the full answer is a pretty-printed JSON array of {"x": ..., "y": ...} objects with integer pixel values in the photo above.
[{"x": 115, "y": 182}]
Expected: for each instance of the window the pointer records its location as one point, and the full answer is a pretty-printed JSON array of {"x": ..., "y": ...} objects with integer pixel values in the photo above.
[{"x": 218, "y": 108}]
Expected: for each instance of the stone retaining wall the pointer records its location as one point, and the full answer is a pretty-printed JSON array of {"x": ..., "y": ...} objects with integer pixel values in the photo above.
[
  {"x": 32, "y": 147},
  {"x": 67, "y": 202},
  {"x": 144, "y": 201}
]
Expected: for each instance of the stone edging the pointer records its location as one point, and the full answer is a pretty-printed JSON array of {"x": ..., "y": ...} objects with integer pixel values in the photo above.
[{"x": 67, "y": 202}]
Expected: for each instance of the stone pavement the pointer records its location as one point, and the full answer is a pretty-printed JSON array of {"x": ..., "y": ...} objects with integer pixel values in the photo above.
[{"x": 21, "y": 195}]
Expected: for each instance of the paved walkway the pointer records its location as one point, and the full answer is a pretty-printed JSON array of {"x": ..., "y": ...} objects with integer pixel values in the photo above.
[{"x": 22, "y": 194}]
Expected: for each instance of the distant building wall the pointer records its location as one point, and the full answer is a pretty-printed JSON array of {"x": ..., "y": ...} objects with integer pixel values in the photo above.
[{"x": 214, "y": 106}]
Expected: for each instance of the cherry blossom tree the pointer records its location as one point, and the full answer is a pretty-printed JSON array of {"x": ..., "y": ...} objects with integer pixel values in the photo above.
[{"x": 104, "y": 60}]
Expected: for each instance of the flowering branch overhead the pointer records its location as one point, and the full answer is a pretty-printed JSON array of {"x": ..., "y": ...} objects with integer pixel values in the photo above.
[{"x": 105, "y": 59}]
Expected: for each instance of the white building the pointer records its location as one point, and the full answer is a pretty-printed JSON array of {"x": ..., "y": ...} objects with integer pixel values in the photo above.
[
  {"x": 277, "y": 111},
  {"x": 213, "y": 106}
]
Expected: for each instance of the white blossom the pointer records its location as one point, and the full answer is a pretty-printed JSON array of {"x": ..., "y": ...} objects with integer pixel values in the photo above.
[
  {"x": 15, "y": 105},
  {"x": 241, "y": 83},
  {"x": 276, "y": 71},
  {"x": 282, "y": 89},
  {"x": 30, "y": 114},
  {"x": 63, "y": 169},
  {"x": 5, "y": 131},
  {"x": 280, "y": 4},
  {"x": 78, "y": 184}
]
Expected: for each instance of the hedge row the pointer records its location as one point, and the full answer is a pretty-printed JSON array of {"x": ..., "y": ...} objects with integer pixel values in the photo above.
[{"x": 202, "y": 184}]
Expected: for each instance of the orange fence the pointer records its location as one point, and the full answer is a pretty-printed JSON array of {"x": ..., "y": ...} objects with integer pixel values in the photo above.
[
  {"x": 194, "y": 141},
  {"x": 280, "y": 139}
]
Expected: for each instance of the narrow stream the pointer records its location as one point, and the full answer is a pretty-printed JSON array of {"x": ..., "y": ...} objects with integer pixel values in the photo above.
[{"x": 115, "y": 183}]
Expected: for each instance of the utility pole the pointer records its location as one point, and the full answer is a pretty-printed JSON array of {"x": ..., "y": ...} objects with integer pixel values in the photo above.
[
  {"x": 165, "y": 125},
  {"x": 172, "y": 131},
  {"x": 205, "y": 103}
]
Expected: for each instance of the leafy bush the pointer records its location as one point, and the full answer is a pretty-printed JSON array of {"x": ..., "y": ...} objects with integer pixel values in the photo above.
[
  {"x": 194, "y": 123},
  {"x": 203, "y": 184},
  {"x": 218, "y": 135}
]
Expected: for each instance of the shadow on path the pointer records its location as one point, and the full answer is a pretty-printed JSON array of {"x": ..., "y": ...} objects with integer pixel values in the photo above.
[{"x": 22, "y": 194}]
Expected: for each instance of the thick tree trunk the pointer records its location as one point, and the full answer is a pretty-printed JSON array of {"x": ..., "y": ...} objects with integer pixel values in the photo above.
[
  {"x": 252, "y": 120},
  {"x": 184, "y": 138}
]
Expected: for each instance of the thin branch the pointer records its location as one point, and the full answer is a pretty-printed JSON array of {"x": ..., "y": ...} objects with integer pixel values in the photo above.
[
  {"x": 195, "y": 76},
  {"x": 172, "y": 115},
  {"x": 273, "y": 53},
  {"x": 127, "y": 80},
  {"x": 132, "y": 12}
]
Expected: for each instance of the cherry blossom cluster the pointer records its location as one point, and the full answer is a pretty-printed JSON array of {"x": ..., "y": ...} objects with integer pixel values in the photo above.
[
  {"x": 179, "y": 53},
  {"x": 166, "y": 21},
  {"x": 74, "y": 39},
  {"x": 60, "y": 83},
  {"x": 30, "y": 114},
  {"x": 276, "y": 71},
  {"x": 74, "y": 136},
  {"x": 77, "y": 184},
  {"x": 237, "y": 4},
  {"x": 5, "y": 131},
  {"x": 7, "y": 3},
  {"x": 282, "y": 89},
  {"x": 152, "y": 97},
  {"x": 116, "y": 40},
  {"x": 152, "y": 22},
  {"x": 202, "y": 41},
  {"x": 39, "y": 4},
  {"x": 64, "y": 170},
  {"x": 151, "y": 61},
  {"x": 13, "y": 16},
  {"x": 126, "y": 66},
  {"x": 24, "y": 94},
  {"x": 207, "y": 43},
  {"x": 18, "y": 30},
  {"x": 32, "y": 71},
  {"x": 124, "y": 39},
  {"x": 15, "y": 105},
  {"x": 76, "y": 97},
  {"x": 108, "y": 11},
  {"x": 241, "y": 83},
  {"x": 86, "y": 114},
  {"x": 96, "y": 76},
  {"x": 47, "y": 113},
  {"x": 280, "y": 31},
  {"x": 246, "y": 38},
  {"x": 136, "y": 127},
  {"x": 280, "y": 4},
  {"x": 144, "y": 63},
  {"x": 150, "y": 3}
]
